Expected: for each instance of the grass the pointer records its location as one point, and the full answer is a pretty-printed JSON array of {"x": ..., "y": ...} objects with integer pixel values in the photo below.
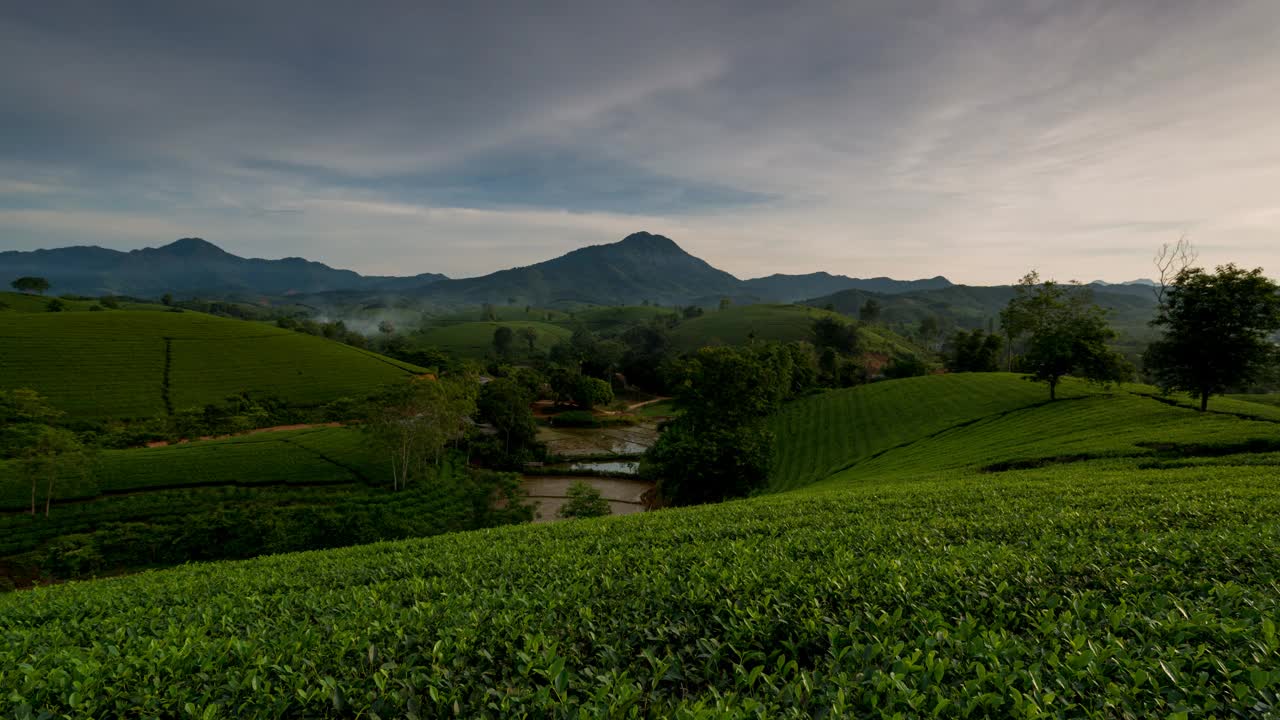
[
  {"x": 1124, "y": 565},
  {"x": 125, "y": 364},
  {"x": 475, "y": 339},
  {"x": 1262, "y": 398}
]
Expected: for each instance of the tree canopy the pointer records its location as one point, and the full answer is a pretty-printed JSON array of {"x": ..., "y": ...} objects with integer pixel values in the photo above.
[
  {"x": 1066, "y": 333},
  {"x": 1217, "y": 331},
  {"x": 30, "y": 284}
]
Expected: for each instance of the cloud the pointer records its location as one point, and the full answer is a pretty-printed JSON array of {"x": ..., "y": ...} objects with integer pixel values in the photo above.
[{"x": 972, "y": 139}]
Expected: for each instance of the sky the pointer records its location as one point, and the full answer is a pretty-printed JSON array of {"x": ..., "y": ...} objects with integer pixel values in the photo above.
[{"x": 972, "y": 139}]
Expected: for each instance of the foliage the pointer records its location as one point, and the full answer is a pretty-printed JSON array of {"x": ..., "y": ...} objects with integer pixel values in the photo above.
[
  {"x": 719, "y": 446},
  {"x": 1078, "y": 591},
  {"x": 414, "y": 421},
  {"x": 870, "y": 311},
  {"x": 588, "y": 392},
  {"x": 831, "y": 333},
  {"x": 911, "y": 366},
  {"x": 1217, "y": 331},
  {"x": 974, "y": 351},
  {"x": 504, "y": 404},
  {"x": 584, "y": 502},
  {"x": 1067, "y": 334},
  {"x": 575, "y": 418},
  {"x": 503, "y": 338},
  {"x": 30, "y": 284}
]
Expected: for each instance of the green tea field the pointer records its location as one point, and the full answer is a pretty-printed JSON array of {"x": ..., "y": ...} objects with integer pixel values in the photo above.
[
  {"x": 981, "y": 553},
  {"x": 132, "y": 364},
  {"x": 475, "y": 339},
  {"x": 783, "y": 323}
]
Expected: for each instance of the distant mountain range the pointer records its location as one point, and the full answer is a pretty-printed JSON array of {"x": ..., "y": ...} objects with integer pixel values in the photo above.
[
  {"x": 188, "y": 267},
  {"x": 642, "y": 267}
]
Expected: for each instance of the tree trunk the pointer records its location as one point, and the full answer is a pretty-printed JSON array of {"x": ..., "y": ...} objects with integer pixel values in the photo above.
[
  {"x": 1053, "y": 390},
  {"x": 1204, "y": 400},
  {"x": 48, "y": 497},
  {"x": 33, "y": 495}
]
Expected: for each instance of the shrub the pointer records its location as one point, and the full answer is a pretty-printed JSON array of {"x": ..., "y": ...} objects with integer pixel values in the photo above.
[{"x": 584, "y": 502}]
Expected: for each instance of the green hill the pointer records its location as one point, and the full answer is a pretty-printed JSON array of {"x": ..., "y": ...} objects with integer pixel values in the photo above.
[
  {"x": 475, "y": 339},
  {"x": 738, "y": 325},
  {"x": 27, "y": 303},
  {"x": 981, "y": 554},
  {"x": 131, "y": 364}
]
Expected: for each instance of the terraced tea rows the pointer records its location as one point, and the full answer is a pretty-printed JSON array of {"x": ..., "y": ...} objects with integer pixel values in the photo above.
[{"x": 126, "y": 363}]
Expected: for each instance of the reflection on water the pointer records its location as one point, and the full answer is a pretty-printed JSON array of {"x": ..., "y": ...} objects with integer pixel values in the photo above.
[
  {"x": 569, "y": 442},
  {"x": 625, "y": 467}
]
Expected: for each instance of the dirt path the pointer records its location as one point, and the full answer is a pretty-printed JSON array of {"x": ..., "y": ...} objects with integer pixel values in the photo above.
[{"x": 255, "y": 431}]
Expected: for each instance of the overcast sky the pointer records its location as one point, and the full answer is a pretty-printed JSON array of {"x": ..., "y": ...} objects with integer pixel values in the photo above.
[{"x": 959, "y": 137}]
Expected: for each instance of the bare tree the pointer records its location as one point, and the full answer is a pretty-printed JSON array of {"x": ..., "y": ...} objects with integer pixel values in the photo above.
[{"x": 1170, "y": 261}]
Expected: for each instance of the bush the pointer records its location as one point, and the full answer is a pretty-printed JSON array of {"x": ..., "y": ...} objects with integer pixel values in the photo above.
[
  {"x": 584, "y": 502},
  {"x": 589, "y": 392}
]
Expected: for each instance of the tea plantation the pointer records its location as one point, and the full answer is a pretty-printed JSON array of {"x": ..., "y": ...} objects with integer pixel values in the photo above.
[
  {"x": 475, "y": 339},
  {"x": 133, "y": 364},
  {"x": 783, "y": 323},
  {"x": 979, "y": 553}
]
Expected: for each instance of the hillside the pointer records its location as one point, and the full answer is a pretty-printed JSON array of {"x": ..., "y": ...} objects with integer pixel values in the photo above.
[
  {"x": 640, "y": 267},
  {"x": 968, "y": 306},
  {"x": 921, "y": 580},
  {"x": 133, "y": 364},
  {"x": 793, "y": 288},
  {"x": 740, "y": 324},
  {"x": 190, "y": 267},
  {"x": 475, "y": 339},
  {"x": 238, "y": 497}
]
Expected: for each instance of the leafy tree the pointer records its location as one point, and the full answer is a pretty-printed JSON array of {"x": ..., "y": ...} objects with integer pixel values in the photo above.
[
  {"x": 974, "y": 351},
  {"x": 413, "y": 422},
  {"x": 831, "y": 333},
  {"x": 648, "y": 349},
  {"x": 386, "y": 327},
  {"x": 503, "y": 338},
  {"x": 505, "y": 405},
  {"x": 529, "y": 336},
  {"x": 910, "y": 366},
  {"x": 870, "y": 311},
  {"x": 929, "y": 329},
  {"x": 1066, "y": 332},
  {"x": 1217, "y": 331},
  {"x": 166, "y": 299},
  {"x": 589, "y": 392},
  {"x": 720, "y": 446},
  {"x": 110, "y": 303},
  {"x": 28, "y": 284},
  {"x": 55, "y": 305},
  {"x": 584, "y": 502},
  {"x": 54, "y": 452}
]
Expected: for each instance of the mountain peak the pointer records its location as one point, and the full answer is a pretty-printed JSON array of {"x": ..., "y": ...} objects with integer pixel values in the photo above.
[
  {"x": 649, "y": 241},
  {"x": 192, "y": 247}
]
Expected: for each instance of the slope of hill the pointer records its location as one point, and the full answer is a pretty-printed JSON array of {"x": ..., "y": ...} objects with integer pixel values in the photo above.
[
  {"x": 27, "y": 303},
  {"x": 475, "y": 339},
  {"x": 793, "y": 288},
  {"x": 239, "y": 497},
  {"x": 189, "y": 267},
  {"x": 131, "y": 364},
  {"x": 740, "y": 324},
  {"x": 640, "y": 267},
  {"x": 968, "y": 306},
  {"x": 921, "y": 581}
]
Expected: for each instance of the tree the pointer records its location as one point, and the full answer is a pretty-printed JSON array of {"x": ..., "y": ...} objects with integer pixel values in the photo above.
[
  {"x": 55, "y": 305},
  {"x": 725, "y": 303},
  {"x": 529, "y": 336},
  {"x": 166, "y": 299},
  {"x": 386, "y": 327},
  {"x": 505, "y": 405},
  {"x": 1217, "y": 331},
  {"x": 720, "y": 446},
  {"x": 974, "y": 351},
  {"x": 1066, "y": 332},
  {"x": 29, "y": 284},
  {"x": 929, "y": 329},
  {"x": 870, "y": 311},
  {"x": 487, "y": 312},
  {"x": 831, "y": 333},
  {"x": 584, "y": 502},
  {"x": 54, "y": 452},
  {"x": 588, "y": 392},
  {"x": 413, "y": 422},
  {"x": 503, "y": 338}
]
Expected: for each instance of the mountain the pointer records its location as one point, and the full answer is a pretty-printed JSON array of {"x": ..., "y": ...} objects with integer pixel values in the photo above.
[
  {"x": 641, "y": 267},
  {"x": 188, "y": 267},
  {"x": 790, "y": 288}
]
